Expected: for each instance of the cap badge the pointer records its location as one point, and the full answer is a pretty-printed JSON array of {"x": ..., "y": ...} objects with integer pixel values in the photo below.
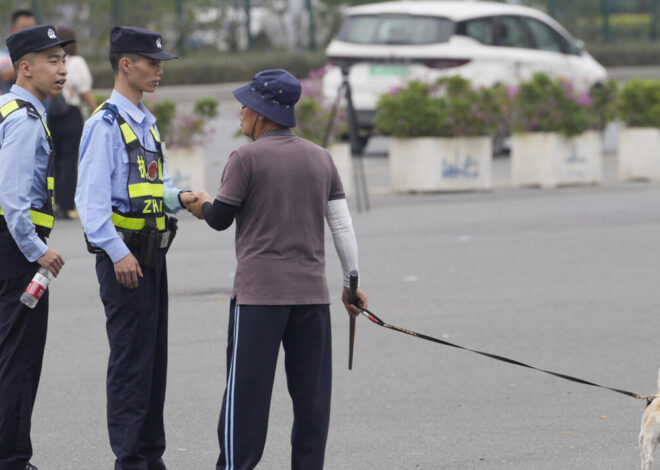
[
  {"x": 51, "y": 33},
  {"x": 159, "y": 43},
  {"x": 152, "y": 171}
]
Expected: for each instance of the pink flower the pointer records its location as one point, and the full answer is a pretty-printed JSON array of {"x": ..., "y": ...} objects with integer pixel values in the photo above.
[
  {"x": 584, "y": 99},
  {"x": 512, "y": 91}
]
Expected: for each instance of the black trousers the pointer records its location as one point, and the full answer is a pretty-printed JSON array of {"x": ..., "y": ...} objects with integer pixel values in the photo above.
[
  {"x": 136, "y": 324},
  {"x": 66, "y": 131},
  {"x": 22, "y": 343},
  {"x": 255, "y": 335}
]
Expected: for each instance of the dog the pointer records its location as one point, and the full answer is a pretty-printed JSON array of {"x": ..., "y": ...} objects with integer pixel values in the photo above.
[{"x": 649, "y": 436}]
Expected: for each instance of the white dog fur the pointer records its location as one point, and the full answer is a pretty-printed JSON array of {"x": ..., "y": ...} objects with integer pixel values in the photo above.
[{"x": 649, "y": 436}]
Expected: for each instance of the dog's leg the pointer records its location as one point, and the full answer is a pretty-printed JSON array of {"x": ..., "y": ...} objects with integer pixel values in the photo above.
[{"x": 647, "y": 454}]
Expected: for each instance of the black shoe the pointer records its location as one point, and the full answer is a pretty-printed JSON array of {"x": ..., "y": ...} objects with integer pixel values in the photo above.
[{"x": 29, "y": 466}]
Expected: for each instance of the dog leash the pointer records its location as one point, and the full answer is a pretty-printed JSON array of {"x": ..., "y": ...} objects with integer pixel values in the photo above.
[{"x": 374, "y": 319}]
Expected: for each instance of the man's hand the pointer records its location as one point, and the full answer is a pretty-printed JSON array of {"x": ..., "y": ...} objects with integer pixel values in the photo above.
[
  {"x": 187, "y": 198},
  {"x": 52, "y": 261},
  {"x": 127, "y": 271},
  {"x": 196, "y": 207},
  {"x": 361, "y": 301}
]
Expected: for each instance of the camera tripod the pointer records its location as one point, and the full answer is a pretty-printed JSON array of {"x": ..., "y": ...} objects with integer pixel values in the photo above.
[{"x": 357, "y": 156}]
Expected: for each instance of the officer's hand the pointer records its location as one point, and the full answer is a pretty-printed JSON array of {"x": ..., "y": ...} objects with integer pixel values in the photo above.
[
  {"x": 127, "y": 271},
  {"x": 197, "y": 207},
  {"x": 187, "y": 198},
  {"x": 52, "y": 261},
  {"x": 361, "y": 301}
]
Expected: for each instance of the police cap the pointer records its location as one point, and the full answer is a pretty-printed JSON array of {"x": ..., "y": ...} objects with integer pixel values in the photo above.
[
  {"x": 129, "y": 39},
  {"x": 33, "y": 39}
]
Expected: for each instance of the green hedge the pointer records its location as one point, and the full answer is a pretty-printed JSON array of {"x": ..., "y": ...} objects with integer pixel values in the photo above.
[{"x": 219, "y": 68}]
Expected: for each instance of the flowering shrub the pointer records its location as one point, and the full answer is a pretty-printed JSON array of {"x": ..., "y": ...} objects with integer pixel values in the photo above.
[
  {"x": 639, "y": 104},
  {"x": 314, "y": 111},
  {"x": 544, "y": 104},
  {"x": 447, "y": 108},
  {"x": 184, "y": 130},
  {"x": 604, "y": 100}
]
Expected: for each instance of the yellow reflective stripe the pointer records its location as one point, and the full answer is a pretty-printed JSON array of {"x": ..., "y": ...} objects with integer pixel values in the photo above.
[
  {"x": 145, "y": 189},
  {"x": 9, "y": 108},
  {"x": 51, "y": 183},
  {"x": 129, "y": 135},
  {"x": 134, "y": 223},
  {"x": 155, "y": 134},
  {"x": 45, "y": 127},
  {"x": 41, "y": 219}
]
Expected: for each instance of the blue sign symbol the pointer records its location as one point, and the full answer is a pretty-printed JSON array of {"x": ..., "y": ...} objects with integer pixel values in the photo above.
[{"x": 469, "y": 168}]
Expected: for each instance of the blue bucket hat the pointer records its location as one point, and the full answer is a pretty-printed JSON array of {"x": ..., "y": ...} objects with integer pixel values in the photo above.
[{"x": 273, "y": 94}]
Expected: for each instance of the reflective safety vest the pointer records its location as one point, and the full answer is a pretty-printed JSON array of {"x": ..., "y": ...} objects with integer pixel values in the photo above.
[
  {"x": 42, "y": 217},
  {"x": 145, "y": 178}
]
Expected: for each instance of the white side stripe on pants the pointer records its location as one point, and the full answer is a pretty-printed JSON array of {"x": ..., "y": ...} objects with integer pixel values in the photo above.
[{"x": 229, "y": 405}]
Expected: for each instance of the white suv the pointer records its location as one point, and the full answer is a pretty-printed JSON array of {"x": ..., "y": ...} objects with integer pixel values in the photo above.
[{"x": 389, "y": 44}]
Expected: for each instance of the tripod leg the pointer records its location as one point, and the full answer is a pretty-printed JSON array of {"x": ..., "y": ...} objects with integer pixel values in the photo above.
[
  {"x": 363, "y": 182},
  {"x": 356, "y": 148},
  {"x": 333, "y": 116}
]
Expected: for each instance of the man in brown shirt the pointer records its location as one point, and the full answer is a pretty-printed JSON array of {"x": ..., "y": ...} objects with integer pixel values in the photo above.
[{"x": 279, "y": 189}]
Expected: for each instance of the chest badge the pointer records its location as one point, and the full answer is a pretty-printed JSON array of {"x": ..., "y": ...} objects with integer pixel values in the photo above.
[{"x": 152, "y": 171}]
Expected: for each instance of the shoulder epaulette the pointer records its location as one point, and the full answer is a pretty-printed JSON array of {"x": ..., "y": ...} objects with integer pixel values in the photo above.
[
  {"x": 110, "y": 114},
  {"x": 32, "y": 112}
]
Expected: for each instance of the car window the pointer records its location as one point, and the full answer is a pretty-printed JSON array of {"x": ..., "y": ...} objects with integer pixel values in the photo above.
[
  {"x": 509, "y": 32},
  {"x": 396, "y": 29},
  {"x": 545, "y": 38},
  {"x": 483, "y": 30}
]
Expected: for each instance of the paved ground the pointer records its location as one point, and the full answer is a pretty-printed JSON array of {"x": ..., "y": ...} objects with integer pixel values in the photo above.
[{"x": 563, "y": 279}]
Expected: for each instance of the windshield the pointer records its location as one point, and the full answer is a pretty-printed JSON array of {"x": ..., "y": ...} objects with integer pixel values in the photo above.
[{"x": 396, "y": 29}]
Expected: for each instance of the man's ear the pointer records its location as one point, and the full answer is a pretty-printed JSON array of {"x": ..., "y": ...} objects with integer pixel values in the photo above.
[
  {"x": 124, "y": 63},
  {"x": 25, "y": 68}
]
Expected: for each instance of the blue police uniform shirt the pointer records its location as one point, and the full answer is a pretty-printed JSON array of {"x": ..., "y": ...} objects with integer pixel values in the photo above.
[
  {"x": 24, "y": 156},
  {"x": 103, "y": 174}
]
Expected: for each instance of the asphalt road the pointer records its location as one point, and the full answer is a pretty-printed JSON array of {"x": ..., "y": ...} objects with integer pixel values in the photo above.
[{"x": 561, "y": 279}]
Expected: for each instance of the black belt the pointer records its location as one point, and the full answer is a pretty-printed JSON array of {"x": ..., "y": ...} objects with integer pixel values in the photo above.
[
  {"x": 146, "y": 243},
  {"x": 132, "y": 238}
]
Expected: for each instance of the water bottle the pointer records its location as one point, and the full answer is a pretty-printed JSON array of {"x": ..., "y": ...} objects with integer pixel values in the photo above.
[{"x": 36, "y": 287}]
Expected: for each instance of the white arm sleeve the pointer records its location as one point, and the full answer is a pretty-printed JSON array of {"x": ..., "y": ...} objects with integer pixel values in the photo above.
[{"x": 343, "y": 235}]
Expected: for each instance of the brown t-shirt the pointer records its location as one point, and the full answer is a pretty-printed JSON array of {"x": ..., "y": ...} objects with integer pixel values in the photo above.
[{"x": 281, "y": 185}]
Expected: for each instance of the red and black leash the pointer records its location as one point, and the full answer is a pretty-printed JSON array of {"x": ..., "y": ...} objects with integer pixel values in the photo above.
[{"x": 373, "y": 318}]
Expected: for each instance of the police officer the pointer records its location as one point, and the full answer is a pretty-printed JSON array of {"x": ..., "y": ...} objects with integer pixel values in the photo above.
[
  {"x": 122, "y": 195},
  {"x": 26, "y": 219}
]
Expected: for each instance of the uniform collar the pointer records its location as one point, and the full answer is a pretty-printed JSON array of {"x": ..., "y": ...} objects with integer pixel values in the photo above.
[
  {"x": 139, "y": 114},
  {"x": 25, "y": 95}
]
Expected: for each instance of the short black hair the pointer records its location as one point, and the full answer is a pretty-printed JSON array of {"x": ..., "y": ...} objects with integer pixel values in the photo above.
[
  {"x": 115, "y": 57},
  {"x": 22, "y": 12}
]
